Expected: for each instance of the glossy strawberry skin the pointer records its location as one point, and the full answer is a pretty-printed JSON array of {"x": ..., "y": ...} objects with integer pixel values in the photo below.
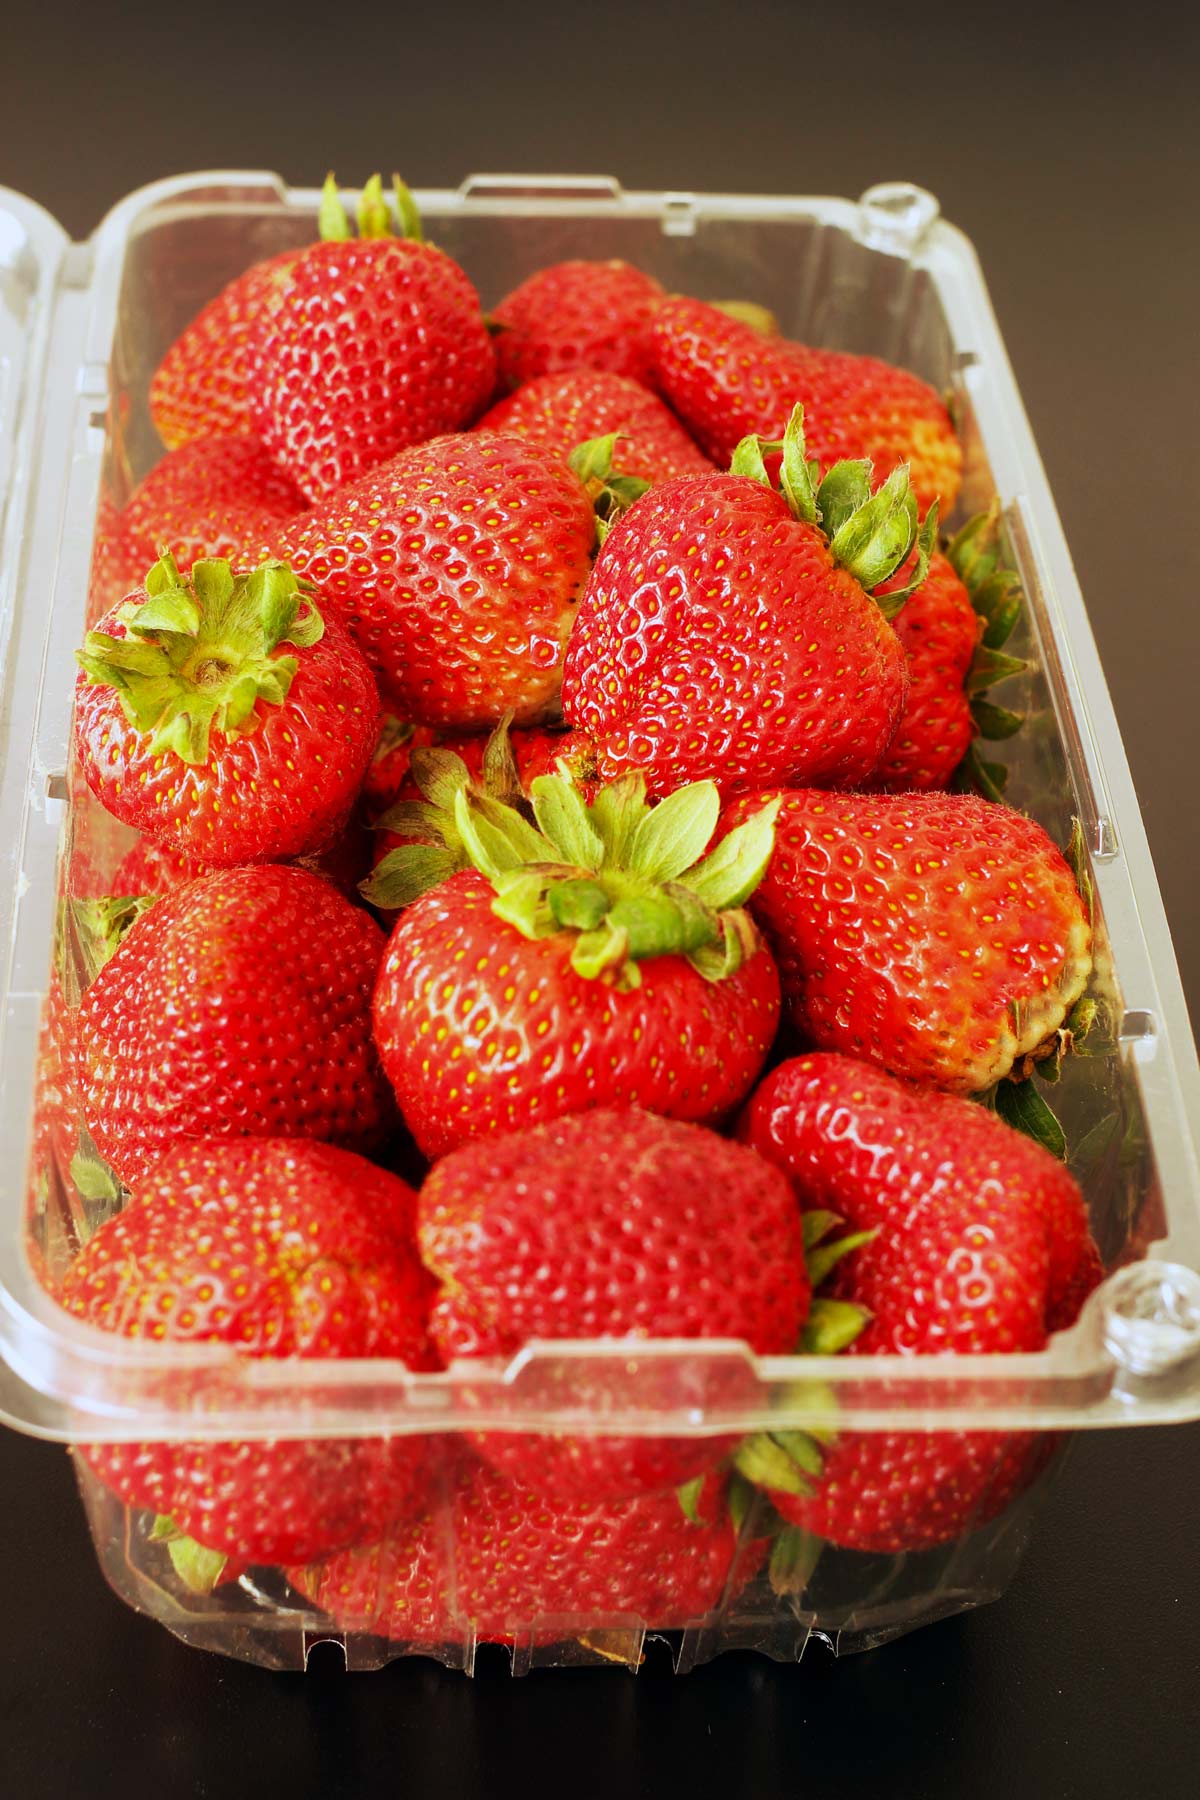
[
  {"x": 558, "y": 412},
  {"x": 610, "y": 1224},
  {"x": 982, "y": 1247},
  {"x": 482, "y": 1030},
  {"x": 238, "y": 1005},
  {"x": 280, "y": 1248},
  {"x": 505, "y": 1560},
  {"x": 577, "y": 314},
  {"x": 456, "y": 567},
  {"x": 726, "y": 380},
  {"x": 718, "y": 638},
  {"x": 365, "y": 346},
  {"x": 214, "y": 496},
  {"x": 202, "y": 384},
  {"x": 939, "y": 629},
  {"x": 939, "y": 936},
  {"x": 283, "y": 789}
]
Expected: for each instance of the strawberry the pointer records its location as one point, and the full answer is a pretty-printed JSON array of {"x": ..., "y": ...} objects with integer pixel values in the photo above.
[
  {"x": 506, "y": 1564},
  {"x": 727, "y": 381},
  {"x": 456, "y": 567},
  {"x": 978, "y": 1243},
  {"x": 224, "y": 714},
  {"x": 591, "y": 315},
  {"x": 609, "y": 1225},
  {"x": 558, "y": 412},
  {"x": 114, "y": 571},
  {"x": 279, "y": 1248},
  {"x": 940, "y": 936},
  {"x": 387, "y": 772},
  {"x": 501, "y": 767},
  {"x": 214, "y": 496},
  {"x": 592, "y": 962},
  {"x": 238, "y": 1005},
  {"x": 201, "y": 387},
  {"x": 724, "y": 633},
  {"x": 364, "y": 346}
]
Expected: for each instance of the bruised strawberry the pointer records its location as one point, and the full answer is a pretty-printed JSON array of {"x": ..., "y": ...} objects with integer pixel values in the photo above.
[
  {"x": 558, "y": 412},
  {"x": 940, "y": 936},
  {"x": 363, "y": 346},
  {"x": 507, "y": 1560},
  {"x": 239, "y": 1005},
  {"x": 456, "y": 566},
  {"x": 609, "y": 1225},
  {"x": 223, "y": 714},
  {"x": 979, "y": 1244},
  {"x": 724, "y": 633},
  {"x": 727, "y": 381},
  {"x": 279, "y": 1248},
  {"x": 214, "y": 496},
  {"x": 597, "y": 960},
  {"x": 572, "y": 315}
]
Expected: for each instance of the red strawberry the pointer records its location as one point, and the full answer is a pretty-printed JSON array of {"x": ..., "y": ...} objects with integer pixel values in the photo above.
[
  {"x": 727, "y": 381},
  {"x": 201, "y": 385},
  {"x": 224, "y": 715},
  {"x": 592, "y": 315},
  {"x": 457, "y": 567},
  {"x": 720, "y": 635},
  {"x": 365, "y": 346},
  {"x": 507, "y": 1563},
  {"x": 940, "y": 936},
  {"x": 115, "y": 571},
  {"x": 939, "y": 629},
  {"x": 594, "y": 962},
  {"x": 980, "y": 1245},
  {"x": 609, "y": 1225},
  {"x": 280, "y": 1248},
  {"x": 559, "y": 412},
  {"x": 215, "y": 496},
  {"x": 238, "y": 1005}
]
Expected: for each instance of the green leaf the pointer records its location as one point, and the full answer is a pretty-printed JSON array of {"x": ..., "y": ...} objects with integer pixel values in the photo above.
[
  {"x": 501, "y": 778},
  {"x": 593, "y": 459},
  {"x": 418, "y": 819},
  {"x": 162, "y": 575},
  {"x": 831, "y": 1326},
  {"x": 803, "y": 1450},
  {"x": 817, "y": 1225},
  {"x": 172, "y": 610},
  {"x": 876, "y": 540},
  {"x": 603, "y": 952},
  {"x": 521, "y": 901},
  {"x": 767, "y": 1464},
  {"x": 617, "y": 812},
  {"x": 827, "y": 1255},
  {"x": 844, "y": 490},
  {"x": 676, "y": 833},
  {"x": 794, "y": 1556},
  {"x": 198, "y": 1569},
  {"x": 439, "y": 774},
  {"x": 736, "y": 943},
  {"x": 795, "y": 475},
  {"x": 1021, "y": 1105},
  {"x": 747, "y": 458},
  {"x": 406, "y": 873},
  {"x": 333, "y": 224},
  {"x": 406, "y": 212},
  {"x": 373, "y": 219},
  {"x": 974, "y": 550},
  {"x": 995, "y": 722},
  {"x": 164, "y": 1529},
  {"x": 579, "y": 905},
  {"x": 740, "y": 1497},
  {"x": 990, "y": 666},
  {"x": 559, "y": 809},
  {"x": 93, "y": 1178},
  {"x": 1077, "y": 857},
  {"x": 689, "y": 1498},
  {"x": 734, "y": 869}
]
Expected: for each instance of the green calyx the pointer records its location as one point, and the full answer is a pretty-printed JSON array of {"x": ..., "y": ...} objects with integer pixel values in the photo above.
[
  {"x": 750, "y": 312},
  {"x": 975, "y": 554},
  {"x": 870, "y": 534},
  {"x": 199, "y": 1569},
  {"x": 374, "y": 215},
  {"x": 198, "y": 653},
  {"x": 610, "y": 492}
]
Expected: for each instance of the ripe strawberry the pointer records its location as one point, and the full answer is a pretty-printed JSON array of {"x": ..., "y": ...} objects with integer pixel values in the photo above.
[
  {"x": 239, "y": 1005},
  {"x": 364, "y": 346},
  {"x": 201, "y": 387},
  {"x": 558, "y": 412},
  {"x": 280, "y": 1248},
  {"x": 593, "y": 962},
  {"x": 114, "y": 571},
  {"x": 941, "y": 936},
  {"x": 979, "y": 1244},
  {"x": 609, "y": 1225},
  {"x": 724, "y": 634},
  {"x": 507, "y": 1563},
  {"x": 456, "y": 567},
  {"x": 726, "y": 381},
  {"x": 214, "y": 496},
  {"x": 194, "y": 723},
  {"x": 591, "y": 315}
]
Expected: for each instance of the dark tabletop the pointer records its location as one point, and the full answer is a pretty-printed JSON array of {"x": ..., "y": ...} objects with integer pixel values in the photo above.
[{"x": 1064, "y": 143}]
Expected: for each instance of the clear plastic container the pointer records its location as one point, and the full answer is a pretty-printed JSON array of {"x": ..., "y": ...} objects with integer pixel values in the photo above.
[{"x": 82, "y": 326}]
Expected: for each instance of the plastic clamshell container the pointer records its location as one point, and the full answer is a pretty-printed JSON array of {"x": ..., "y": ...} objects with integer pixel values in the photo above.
[{"x": 82, "y": 326}]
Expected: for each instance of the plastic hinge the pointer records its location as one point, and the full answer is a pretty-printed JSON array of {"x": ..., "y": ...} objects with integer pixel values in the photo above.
[{"x": 896, "y": 217}]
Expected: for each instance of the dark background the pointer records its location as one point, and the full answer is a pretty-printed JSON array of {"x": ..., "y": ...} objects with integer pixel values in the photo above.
[{"x": 1064, "y": 142}]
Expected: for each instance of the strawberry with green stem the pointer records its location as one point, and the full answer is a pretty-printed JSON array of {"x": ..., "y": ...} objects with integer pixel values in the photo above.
[
  {"x": 224, "y": 713},
  {"x": 728, "y": 630},
  {"x": 560, "y": 411},
  {"x": 593, "y": 957}
]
